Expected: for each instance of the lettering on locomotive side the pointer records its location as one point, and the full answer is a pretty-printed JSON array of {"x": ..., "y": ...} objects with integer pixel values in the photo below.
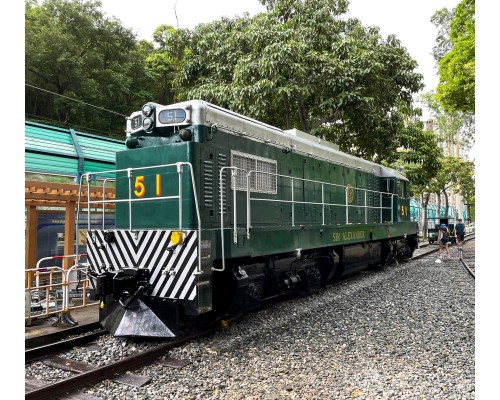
[{"x": 349, "y": 235}]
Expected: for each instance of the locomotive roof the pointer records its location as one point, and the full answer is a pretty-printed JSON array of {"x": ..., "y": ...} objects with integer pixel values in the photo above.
[{"x": 205, "y": 113}]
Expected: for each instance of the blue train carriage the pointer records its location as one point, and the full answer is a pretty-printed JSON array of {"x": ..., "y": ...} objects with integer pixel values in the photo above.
[{"x": 217, "y": 212}]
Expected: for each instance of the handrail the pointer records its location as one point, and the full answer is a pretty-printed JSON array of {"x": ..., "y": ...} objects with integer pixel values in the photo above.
[
  {"x": 103, "y": 209},
  {"x": 292, "y": 201},
  {"x": 37, "y": 268},
  {"x": 323, "y": 203},
  {"x": 129, "y": 200},
  {"x": 235, "y": 232}
]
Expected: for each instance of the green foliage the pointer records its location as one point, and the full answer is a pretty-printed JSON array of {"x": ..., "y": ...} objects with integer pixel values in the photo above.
[
  {"x": 300, "y": 65},
  {"x": 456, "y": 89},
  {"x": 164, "y": 62},
  {"x": 74, "y": 51},
  {"x": 441, "y": 19},
  {"x": 420, "y": 156},
  {"x": 452, "y": 127},
  {"x": 458, "y": 175}
]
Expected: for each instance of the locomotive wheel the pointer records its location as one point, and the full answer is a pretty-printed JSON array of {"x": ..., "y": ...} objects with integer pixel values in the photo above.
[{"x": 310, "y": 281}]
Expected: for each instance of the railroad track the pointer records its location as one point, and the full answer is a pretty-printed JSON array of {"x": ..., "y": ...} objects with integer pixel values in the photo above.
[
  {"x": 468, "y": 261},
  {"x": 44, "y": 340},
  {"x": 59, "y": 346},
  {"x": 465, "y": 257},
  {"x": 427, "y": 249},
  {"x": 88, "y": 374}
]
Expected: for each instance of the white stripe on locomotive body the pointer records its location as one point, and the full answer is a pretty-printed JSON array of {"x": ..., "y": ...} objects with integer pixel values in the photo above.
[
  {"x": 148, "y": 249},
  {"x": 183, "y": 276},
  {"x": 158, "y": 271},
  {"x": 163, "y": 273},
  {"x": 184, "y": 292},
  {"x": 124, "y": 245},
  {"x": 177, "y": 258},
  {"x": 174, "y": 279}
]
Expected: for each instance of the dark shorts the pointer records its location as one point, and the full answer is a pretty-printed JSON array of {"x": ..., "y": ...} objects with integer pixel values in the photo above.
[
  {"x": 460, "y": 238},
  {"x": 444, "y": 241}
]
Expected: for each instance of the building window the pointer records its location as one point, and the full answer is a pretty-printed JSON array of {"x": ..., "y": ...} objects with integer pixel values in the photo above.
[{"x": 259, "y": 182}]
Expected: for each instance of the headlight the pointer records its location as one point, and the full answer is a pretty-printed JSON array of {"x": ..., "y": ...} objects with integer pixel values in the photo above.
[
  {"x": 147, "y": 110},
  {"x": 185, "y": 134},
  {"x": 147, "y": 124}
]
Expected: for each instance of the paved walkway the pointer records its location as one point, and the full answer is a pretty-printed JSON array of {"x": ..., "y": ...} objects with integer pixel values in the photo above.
[{"x": 85, "y": 315}]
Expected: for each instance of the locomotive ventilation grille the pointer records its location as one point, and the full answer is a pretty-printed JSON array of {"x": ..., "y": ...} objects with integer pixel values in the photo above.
[{"x": 172, "y": 268}]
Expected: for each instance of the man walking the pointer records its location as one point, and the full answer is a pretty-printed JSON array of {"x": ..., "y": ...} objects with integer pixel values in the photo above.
[{"x": 460, "y": 233}]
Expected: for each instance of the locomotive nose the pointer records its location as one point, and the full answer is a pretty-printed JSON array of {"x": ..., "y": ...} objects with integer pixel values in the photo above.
[{"x": 137, "y": 319}]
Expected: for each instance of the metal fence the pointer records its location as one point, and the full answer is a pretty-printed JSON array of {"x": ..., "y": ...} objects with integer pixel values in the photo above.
[{"x": 53, "y": 291}]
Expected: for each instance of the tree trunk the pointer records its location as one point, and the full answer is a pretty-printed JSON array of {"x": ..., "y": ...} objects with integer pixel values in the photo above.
[
  {"x": 438, "y": 205},
  {"x": 302, "y": 113},
  {"x": 446, "y": 204},
  {"x": 287, "y": 112},
  {"x": 425, "y": 202}
]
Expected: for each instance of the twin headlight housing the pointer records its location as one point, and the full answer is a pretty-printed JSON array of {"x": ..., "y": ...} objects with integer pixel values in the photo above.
[
  {"x": 155, "y": 116},
  {"x": 148, "y": 115}
]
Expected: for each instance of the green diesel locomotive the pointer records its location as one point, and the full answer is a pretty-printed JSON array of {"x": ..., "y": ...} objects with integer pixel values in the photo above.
[{"x": 216, "y": 212}]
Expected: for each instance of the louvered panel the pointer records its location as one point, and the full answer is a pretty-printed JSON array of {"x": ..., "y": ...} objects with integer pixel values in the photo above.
[
  {"x": 208, "y": 183},
  {"x": 222, "y": 162}
]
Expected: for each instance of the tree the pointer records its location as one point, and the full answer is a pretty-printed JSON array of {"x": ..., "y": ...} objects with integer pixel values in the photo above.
[
  {"x": 420, "y": 156},
  {"x": 453, "y": 131},
  {"x": 452, "y": 127},
  {"x": 457, "y": 175},
  {"x": 72, "y": 51},
  {"x": 441, "y": 19},
  {"x": 164, "y": 62},
  {"x": 301, "y": 65},
  {"x": 456, "y": 89}
]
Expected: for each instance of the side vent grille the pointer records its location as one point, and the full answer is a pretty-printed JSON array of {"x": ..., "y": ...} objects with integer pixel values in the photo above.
[
  {"x": 208, "y": 184},
  {"x": 222, "y": 162}
]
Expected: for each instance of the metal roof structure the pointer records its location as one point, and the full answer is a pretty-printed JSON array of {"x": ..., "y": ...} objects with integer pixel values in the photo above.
[{"x": 59, "y": 151}]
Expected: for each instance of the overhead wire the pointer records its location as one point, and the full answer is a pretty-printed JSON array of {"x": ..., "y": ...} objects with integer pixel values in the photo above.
[
  {"x": 79, "y": 101},
  {"x": 59, "y": 123}
]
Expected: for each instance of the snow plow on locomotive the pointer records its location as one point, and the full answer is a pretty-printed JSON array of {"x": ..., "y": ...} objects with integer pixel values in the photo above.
[{"x": 216, "y": 212}]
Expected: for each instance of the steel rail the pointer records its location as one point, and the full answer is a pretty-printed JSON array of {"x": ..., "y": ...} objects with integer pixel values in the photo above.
[
  {"x": 99, "y": 374},
  {"x": 43, "y": 340},
  {"x": 48, "y": 350},
  {"x": 464, "y": 264},
  {"x": 434, "y": 250}
]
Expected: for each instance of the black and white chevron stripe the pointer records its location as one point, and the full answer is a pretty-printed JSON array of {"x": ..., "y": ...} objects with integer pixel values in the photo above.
[{"x": 171, "y": 272}]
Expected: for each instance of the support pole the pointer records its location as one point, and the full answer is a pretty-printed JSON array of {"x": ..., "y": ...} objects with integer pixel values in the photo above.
[{"x": 31, "y": 239}]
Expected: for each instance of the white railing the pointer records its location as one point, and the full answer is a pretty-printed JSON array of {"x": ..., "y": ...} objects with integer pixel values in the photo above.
[
  {"x": 129, "y": 200},
  {"x": 43, "y": 284},
  {"x": 347, "y": 204},
  {"x": 249, "y": 199}
]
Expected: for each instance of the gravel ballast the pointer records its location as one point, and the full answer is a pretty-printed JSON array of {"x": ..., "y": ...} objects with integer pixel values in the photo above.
[{"x": 405, "y": 332}]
